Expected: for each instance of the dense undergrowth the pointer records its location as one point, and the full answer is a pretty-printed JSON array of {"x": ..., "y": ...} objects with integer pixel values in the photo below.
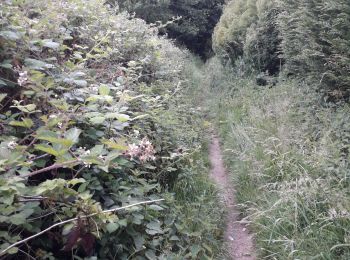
[
  {"x": 288, "y": 154},
  {"x": 304, "y": 38},
  {"x": 95, "y": 116}
]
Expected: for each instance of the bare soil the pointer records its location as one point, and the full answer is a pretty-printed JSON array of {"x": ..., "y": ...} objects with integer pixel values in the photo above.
[{"x": 239, "y": 241}]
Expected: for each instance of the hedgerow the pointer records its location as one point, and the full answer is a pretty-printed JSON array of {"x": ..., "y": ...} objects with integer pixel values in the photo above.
[{"x": 89, "y": 100}]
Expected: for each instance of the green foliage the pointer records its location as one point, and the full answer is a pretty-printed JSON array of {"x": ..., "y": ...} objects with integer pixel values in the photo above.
[
  {"x": 315, "y": 41},
  {"x": 310, "y": 37},
  {"x": 195, "y": 23},
  {"x": 248, "y": 30},
  {"x": 89, "y": 102},
  {"x": 289, "y": 158}
]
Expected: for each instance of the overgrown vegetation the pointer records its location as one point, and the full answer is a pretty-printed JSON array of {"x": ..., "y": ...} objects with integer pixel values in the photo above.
[
  {"x": 286, "y": 144},
  {"x": 193, "y": 21},
  {"x": 288, "y": 156},
  {"x": 310, "y": 37},
  {"x": 94, "y": 117}
]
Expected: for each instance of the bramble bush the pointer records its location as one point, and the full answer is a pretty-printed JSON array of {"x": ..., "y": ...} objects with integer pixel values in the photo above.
[{"x": 89, "y": 100}]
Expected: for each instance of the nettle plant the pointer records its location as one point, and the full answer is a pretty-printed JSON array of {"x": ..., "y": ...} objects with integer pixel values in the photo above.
[{"x": 80, "y": 87}]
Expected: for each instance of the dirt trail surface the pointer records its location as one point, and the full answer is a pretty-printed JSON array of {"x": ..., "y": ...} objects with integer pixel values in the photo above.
[{"x": 239, "y": 242}]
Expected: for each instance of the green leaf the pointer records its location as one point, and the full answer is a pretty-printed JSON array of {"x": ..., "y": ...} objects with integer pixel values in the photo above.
[
  {"x": 18, "y": 219},
  {"x": 10, "y": 35},
  {"x": 67, "y": 228},
  {"x": 138, "y": 241},
  {"x": 156, "y": 207},
  {"x": 150, "y": 255},
  {"x": 50, "y": 44},
  {"x": 104, "y": 90},
  {"x": 3, "y": 83},
  {"x": 26, "y": 122},
  {"x": 111, "y": 227},
  {"x": 2, "y": 96},
  {"x": 97, "y": 120},
  {"x": 53, "y": 138},
  {"x": 76, "y": 181},
  {"x": 80, "y": 82},
  {"x": 48, "y": 149},
  {"x": 73, "y": 135},
  {"x": 6, "y": 64},
  {"x": 114, "y": 145},
  {"x": 121, "y": 117},
  {"x": 153, "y": 228},
  {"x": 37, "y": 64},
  {"x": 27, "y": 108},
  {"x": 13, "y": 250},
  {"x": 195, "y": 250}
]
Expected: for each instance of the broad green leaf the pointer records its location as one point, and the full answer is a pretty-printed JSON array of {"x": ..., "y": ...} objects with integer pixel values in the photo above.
[
  {"x": 50, "y": 44},
  {"x": 53, "y": 138},
  {"x": 48, "y": 149},
  {"x": 138, "y": 241},
  {"x": 114, "y": 145},
  {"x": 13, "y": 250},
  {"x": 104, "y": 90},
  {"x": 10, "y": 35},
  {"x": 3, "y": 83},
  {"x": 6, "y": 64},
  {"x": 195, "y": 250},
  {"x": 26, "y": 122},
  {"x": 97, "y": 120},
  {"x": 153, "y": 228},
  {"x": 27, "y": 108},
  {"x": 67, "y": 228},
  {"x": 76, "y": 181},
  {"x": 73, "y": 135},
  {"x": 80, "y": 82},
  {"x": 150, "y": 254},
  {"x": 2, "y": 96},
  {"x": 37, "y": 64},
  {"x": 121, "y": 117},
  {"x": 111, "y": 227},
  {"x": 18, "y": 219},
  {"x": 156, "y": 207}
]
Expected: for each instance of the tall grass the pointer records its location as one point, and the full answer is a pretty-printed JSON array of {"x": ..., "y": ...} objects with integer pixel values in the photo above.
[{"x": 289, "y": 158}]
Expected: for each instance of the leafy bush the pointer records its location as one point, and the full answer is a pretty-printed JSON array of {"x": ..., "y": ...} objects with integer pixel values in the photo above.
[
  {"x": 248, "y": 30},
  {"x": 315, "y": 39},
  {"x": 89, "y": 100},
  {"x": 310, "y": 37},
  {"x": 195, "y": 23}
]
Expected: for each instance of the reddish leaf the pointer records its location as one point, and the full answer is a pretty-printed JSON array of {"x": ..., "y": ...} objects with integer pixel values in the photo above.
[
  {"x": 72, "y": 239},
  {"x": 88, "y": 243}
]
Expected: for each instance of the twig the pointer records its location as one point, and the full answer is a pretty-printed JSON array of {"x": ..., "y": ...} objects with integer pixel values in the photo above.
[
  {"x": 74, "y": 219},
  {"x": 49, "y": 168}
]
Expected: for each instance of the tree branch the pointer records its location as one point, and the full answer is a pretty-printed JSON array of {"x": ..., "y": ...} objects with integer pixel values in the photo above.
[
  {"x": 49, "y": 168},
  {"x": 74, "y": 219}
]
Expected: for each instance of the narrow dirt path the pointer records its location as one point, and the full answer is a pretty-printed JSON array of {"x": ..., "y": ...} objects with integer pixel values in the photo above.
[{"x": 239, "y": 242}]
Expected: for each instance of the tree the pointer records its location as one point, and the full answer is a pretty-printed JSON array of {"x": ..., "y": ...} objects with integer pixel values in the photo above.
[{"x": 193, "y": 29}]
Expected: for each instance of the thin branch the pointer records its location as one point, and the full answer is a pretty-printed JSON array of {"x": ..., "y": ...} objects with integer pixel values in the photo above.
[
  {"x": 49, "y": 168},
  {"x": 74, "y": 219}
]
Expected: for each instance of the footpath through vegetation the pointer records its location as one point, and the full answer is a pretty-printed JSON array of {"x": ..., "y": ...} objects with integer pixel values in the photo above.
[
  {"x": 238, "y": 240},
  {"x": 104, "y": 129}
]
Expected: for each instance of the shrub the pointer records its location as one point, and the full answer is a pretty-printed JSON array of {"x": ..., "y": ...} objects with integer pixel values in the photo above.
[
  {"x": 194, "y": 25},
  {"x": 248, "y": 30},
  {"x": 85, "y": 93},
  {"x": 315, "y": 40}
]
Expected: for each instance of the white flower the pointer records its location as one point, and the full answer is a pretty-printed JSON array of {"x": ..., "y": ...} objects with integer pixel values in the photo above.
[
  {"x": 12, "y": 145},
  {"x": 23, "y": 77}
]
